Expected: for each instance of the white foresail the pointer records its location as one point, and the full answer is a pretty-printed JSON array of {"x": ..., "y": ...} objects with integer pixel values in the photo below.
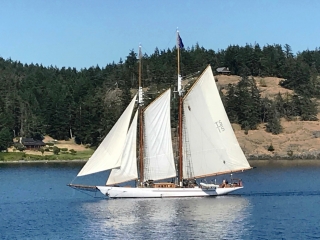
[
  {"x": 128, "y": 169},
  {"x": 158, "y": 153},
  {"x": 209, "y": 143},
  {"x": 107, "y": 155}
]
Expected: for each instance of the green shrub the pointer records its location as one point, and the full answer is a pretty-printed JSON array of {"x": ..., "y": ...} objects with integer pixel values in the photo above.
[
  {"x": 56, "y": 150},
  {"x": 271, "y": 148},
  {"x": 42, "y": 150},
  {"x": 20, "y": 147},
  {"x": 73, "y": 152},
  {"x": 263, "y": 82}
]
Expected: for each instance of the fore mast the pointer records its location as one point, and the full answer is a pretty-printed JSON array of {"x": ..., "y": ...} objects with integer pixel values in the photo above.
[{"x": 140, "y": 102}]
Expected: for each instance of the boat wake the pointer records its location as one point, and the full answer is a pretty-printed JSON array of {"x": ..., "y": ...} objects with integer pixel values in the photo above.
[{"x": 283, "y": 194}]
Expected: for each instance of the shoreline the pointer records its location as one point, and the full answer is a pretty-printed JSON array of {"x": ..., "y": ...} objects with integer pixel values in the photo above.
[
  {"x": 251, "y": 161},
  {"x": 284, "y": 162},
  {"x": 44, "y": 161}
]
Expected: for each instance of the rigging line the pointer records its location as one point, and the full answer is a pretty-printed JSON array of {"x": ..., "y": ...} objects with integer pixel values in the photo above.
[
  {"x": 167, "y": 46},
  {"x": 73, "y": 179},
  {"x": 169, "y": 42},
  {"x": 145, "y": 51},
  {"x": 175, "y": 37},
  {"x": 187, "y": 155},
  {"x": 86, "y": 193}
]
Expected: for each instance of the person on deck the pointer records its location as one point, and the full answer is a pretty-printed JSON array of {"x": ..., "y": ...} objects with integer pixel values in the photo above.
[{"x": 223, "y": 183}]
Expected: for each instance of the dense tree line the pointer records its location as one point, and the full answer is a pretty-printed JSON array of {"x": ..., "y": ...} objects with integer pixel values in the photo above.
[{"x": 63, "y": 103}]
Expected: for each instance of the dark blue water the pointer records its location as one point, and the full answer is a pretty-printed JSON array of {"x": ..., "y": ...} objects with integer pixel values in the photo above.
[{"x": 278, "y": 202}]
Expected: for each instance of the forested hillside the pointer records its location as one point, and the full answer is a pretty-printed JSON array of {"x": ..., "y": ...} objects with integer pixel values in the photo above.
[{"x": 64, "y": 103}]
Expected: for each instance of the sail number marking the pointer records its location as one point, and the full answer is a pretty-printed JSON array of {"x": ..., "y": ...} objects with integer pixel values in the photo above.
[{"x": 219, "y": 126}]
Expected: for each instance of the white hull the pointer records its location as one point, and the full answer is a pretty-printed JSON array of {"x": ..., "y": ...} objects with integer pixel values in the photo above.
[{"x": 127, "y": 192}]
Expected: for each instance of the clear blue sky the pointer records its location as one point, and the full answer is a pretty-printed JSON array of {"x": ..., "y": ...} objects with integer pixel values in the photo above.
[{"x": 84, "y": 33}]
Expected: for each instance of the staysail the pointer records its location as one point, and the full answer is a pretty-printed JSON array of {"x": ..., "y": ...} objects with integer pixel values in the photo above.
[
  {"x": 158, "y": 153},
  {"x": 107, "y": 155},
  {"x": 128, "y": 169},
  {"x": 210, "y": 146}
]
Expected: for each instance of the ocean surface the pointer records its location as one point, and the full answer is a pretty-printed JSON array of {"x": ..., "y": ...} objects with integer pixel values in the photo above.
[{"x": 279, "y": 201}]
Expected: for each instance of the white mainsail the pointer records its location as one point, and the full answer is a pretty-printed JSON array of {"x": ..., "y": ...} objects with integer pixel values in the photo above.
[
  {"x": 107, "y": 155},
  {"x": 158, "y": 153},
  {"x": 209, "y": 143},
  {"x": 128, "y": 169}
]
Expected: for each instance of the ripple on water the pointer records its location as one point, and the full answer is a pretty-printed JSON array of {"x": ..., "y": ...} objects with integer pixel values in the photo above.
[{"x": 276, "y": 203}]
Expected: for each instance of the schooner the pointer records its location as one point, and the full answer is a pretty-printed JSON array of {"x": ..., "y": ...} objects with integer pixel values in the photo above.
[{"x": 207, "y": 145}]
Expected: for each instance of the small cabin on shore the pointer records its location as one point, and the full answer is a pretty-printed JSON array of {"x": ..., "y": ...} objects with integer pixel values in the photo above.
[
  {"x": 223, "y": 70},
  {"x": 32, "y": 144}
]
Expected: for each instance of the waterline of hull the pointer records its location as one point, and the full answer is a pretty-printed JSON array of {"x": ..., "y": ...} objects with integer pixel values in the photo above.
[{"x": 126, "y": 192}]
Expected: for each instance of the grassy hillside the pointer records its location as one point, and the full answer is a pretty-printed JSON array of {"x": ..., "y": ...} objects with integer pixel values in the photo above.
[{"x": 299, "y": 138}]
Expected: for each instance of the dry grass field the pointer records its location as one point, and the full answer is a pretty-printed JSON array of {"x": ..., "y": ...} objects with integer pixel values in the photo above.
[
  {"x": 297, "y": 136},
  {"x": 70, "y": 144}
]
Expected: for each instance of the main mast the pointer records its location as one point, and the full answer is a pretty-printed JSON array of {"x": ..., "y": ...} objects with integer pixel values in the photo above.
[
  {"x": 140, "y": 101},
  {"x": 180, "y": 175}
]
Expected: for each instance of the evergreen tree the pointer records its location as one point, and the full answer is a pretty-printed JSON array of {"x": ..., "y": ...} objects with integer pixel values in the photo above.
[
  {"x": 308, "y": 109},
  {"x": 265, "y": 109},
  {"x": 274, "y": 124},
  {"x": 256, "y": 61},
  {"x": 231, "y": 104},
  {"x": 298, "y": 78},
  {"x": 280, "y": 105},
  {"x": 288, "y": 51},
  {"x": 248, "y": 98},
  {"x": 5, "y": 139}
]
